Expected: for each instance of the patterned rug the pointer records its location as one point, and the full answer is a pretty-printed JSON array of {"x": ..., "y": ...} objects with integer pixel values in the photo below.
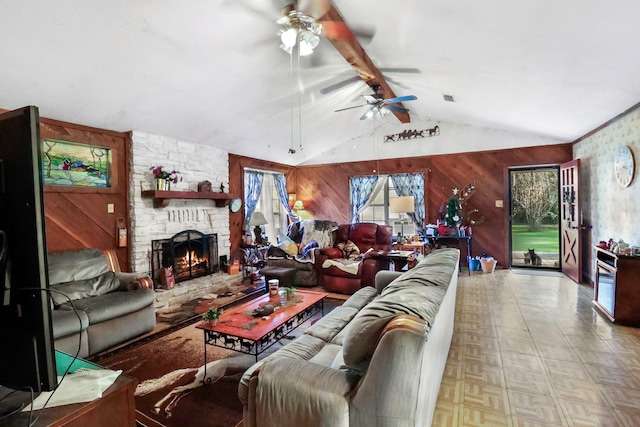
[{"x": 169, "y": 373}]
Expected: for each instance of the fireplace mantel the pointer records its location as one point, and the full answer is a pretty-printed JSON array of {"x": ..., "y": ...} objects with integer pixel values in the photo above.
[{"x": 161, "y": 199}]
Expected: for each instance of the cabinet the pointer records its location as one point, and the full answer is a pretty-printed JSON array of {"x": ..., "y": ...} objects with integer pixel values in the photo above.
[{"x": 616, "y": 291}]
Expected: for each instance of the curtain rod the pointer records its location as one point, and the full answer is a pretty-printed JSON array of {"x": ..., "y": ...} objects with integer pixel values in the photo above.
[{"x": 263, "y": 171}]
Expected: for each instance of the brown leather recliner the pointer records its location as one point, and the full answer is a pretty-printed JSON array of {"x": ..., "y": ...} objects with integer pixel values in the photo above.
[{"x": 366, "y": 236}]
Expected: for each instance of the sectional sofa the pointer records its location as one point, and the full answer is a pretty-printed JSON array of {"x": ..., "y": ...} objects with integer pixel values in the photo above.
[{"x": 376, "y": 360}]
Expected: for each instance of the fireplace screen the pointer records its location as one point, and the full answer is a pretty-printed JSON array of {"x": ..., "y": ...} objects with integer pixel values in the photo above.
[{"x": 189, "y": 254}]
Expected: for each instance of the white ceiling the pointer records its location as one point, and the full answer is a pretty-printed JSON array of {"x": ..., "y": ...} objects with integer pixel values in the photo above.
[{"x": 211, "y": 72}]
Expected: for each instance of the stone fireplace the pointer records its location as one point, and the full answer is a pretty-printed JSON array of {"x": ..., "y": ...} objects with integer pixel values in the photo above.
[
  {"x": 149, "y": 223},
  {"x": 189, "y": 254}
]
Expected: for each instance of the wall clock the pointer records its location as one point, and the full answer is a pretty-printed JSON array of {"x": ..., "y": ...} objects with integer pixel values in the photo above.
[
  {"x": 235, "y": 205},
  {"x": 624, "y": 166}
]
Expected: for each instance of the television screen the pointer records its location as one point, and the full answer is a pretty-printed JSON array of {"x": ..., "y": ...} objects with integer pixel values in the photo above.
[{"x": 27, "y": 356}]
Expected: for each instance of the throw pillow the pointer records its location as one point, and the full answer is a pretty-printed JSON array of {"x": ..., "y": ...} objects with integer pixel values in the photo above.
[
  {"x": 349, "y": 249},
  {"x": 100, "y": 285},
  {"x": 289, "y": 246},
  {"x": 275, "y": 252}
]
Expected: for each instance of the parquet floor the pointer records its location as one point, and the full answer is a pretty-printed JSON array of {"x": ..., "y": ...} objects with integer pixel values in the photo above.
[{"x": 531, "y": 351}]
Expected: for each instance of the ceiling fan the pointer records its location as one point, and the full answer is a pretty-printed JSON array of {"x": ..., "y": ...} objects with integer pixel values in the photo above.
[
  {"x": 379, "y": 106},
  {"x": 340, "y": 35}
]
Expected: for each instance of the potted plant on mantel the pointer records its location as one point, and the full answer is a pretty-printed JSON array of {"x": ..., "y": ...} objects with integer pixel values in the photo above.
[
  {"x": 164, "y": 178},
  {"x": 212, "y": 315}
]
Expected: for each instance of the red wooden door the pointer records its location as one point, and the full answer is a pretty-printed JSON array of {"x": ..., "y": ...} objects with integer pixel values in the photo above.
[{"x": 570, "y": 220}]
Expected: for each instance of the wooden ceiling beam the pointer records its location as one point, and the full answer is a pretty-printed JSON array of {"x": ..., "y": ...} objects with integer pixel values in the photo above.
[{"x": 337, "y": 31}]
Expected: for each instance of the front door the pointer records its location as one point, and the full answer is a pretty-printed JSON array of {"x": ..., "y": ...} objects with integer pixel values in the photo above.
[{"x": 570, "y": 220}]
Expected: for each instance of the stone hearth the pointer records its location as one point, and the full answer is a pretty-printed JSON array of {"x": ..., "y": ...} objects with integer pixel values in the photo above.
[{"x": 171, "y": 299}]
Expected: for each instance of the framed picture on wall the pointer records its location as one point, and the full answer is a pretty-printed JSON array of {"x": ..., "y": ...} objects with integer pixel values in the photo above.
[{"x": 66, "y": 163}]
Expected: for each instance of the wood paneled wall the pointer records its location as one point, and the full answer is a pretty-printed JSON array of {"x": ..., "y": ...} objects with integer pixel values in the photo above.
[
  {"x": 237, "y": 164},
  {"x": 76, "y": 217},
  {"x": 324, "y": 189}
]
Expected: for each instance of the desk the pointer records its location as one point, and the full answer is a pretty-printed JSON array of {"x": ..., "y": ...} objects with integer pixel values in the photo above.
[{"x": 448, "y": 240}]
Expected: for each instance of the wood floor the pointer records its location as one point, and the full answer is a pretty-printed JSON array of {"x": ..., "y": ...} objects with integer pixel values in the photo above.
[{"x": 531, "y": 351}]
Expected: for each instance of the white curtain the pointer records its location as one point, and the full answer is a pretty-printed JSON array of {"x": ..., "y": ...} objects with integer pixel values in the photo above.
[{"x": 275, "y": 226}]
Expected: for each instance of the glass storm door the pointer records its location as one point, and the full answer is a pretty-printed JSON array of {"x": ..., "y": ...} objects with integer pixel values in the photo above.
[{"x": 534, "y": 217}]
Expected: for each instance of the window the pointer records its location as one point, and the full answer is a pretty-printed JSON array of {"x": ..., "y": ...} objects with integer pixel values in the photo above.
[
  {"x": 378, "y": 210},
  {"x": 373, "y": 195},
  {"x": 269, "y": 205}
]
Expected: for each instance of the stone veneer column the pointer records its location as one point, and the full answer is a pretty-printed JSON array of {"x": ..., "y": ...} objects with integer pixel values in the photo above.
[{"x": 196, "y": 163}]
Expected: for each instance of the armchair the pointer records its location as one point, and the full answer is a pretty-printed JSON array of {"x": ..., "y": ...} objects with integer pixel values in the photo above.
[{"x": 373, "y": 242}]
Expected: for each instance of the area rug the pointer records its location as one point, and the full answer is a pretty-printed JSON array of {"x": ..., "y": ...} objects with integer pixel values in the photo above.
[{"x": 169, "y": 374}]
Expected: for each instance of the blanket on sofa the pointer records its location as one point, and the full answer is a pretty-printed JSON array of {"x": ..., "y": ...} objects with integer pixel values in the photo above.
[
  {"x": 348, "y": 265},
  {"x": 319, "y": 230}
]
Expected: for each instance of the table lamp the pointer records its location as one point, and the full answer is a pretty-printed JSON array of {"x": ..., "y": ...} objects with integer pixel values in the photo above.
[
  {"x": 401, "y": 205},
  {"x": 257, "y": 220}
]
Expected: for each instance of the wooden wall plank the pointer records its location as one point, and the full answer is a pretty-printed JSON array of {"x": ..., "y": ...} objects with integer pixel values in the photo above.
[
  {"x": 237, "y": 164},
  {"x": 77, "y": 217},
  {"x": 326, "y": 187}
]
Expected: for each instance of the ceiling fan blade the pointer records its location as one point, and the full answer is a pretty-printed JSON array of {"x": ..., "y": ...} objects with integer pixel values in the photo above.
[
  {"x": 350, "y": 108},
  {"x": 397, "y": 109},
  {"x": 339, "y": 85},
  {"x": 314, "y": 8},
  {"x": 400, "y": 70},
  {"x": 371, "y": 99},
  {"x": 401, "y": 99}
]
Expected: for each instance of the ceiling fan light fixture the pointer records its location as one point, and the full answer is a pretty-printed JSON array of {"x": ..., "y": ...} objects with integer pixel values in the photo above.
[
  {"x": 300, "y": 28},
  {"x": 288, "y": 37}
]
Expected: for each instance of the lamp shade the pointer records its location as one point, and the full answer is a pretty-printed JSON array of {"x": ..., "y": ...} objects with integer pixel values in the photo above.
[
  {"x": 298, "y": 205},
  {"x": 402, "y": 204},
  {"x": 258, "y": 219}
]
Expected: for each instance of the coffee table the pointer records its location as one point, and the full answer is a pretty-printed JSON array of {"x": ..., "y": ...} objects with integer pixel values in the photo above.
[{"x": 239, "y": 331}]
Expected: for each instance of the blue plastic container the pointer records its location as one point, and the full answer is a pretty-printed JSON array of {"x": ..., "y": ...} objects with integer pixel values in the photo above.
[{"x": 474, "y": 264}]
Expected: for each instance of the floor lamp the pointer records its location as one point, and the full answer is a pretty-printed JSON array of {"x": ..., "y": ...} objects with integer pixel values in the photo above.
[{"x": 401, "y": 205}]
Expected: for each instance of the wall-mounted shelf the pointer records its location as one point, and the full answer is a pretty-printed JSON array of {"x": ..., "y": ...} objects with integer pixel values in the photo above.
[{"x": 162, "y": 198}]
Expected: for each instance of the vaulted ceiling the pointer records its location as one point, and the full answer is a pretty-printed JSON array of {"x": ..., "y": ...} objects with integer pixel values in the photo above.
[{"x": 211, "y": 72}]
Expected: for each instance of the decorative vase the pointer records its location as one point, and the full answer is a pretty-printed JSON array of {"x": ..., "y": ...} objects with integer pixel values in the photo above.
[{"x": 163, "y": 184}]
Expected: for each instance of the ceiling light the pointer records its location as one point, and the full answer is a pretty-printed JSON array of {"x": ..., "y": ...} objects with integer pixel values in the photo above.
[
  {"x": 300, "y": 28},
  {"x": 448, "y": 98}
]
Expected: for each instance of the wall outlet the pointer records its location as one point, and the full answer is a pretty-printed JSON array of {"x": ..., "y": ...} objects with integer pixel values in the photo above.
[
  {"x": 110, "y": 208},
  {"x": 499, "y": 204}
]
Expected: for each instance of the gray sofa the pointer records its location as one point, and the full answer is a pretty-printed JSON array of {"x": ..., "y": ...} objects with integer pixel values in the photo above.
[
  {"x": 111, "y": 306},
  {"x": 376, "y": 360},
  {"x": 299, "y": 269}
]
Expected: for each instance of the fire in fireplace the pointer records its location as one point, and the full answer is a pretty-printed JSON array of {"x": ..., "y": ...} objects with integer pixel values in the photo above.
[{"x": 189, "y": 254}]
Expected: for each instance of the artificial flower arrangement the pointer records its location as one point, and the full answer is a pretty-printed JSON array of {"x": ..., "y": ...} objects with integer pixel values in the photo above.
[{"x": 160, "y": 173}]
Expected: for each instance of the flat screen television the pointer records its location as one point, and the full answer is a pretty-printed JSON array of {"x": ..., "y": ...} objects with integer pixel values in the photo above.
[{"x": 27, "y": 355}]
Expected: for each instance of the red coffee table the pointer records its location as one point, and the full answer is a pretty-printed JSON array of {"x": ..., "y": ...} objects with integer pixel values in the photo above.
[{"x": 238, "y": 330}]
